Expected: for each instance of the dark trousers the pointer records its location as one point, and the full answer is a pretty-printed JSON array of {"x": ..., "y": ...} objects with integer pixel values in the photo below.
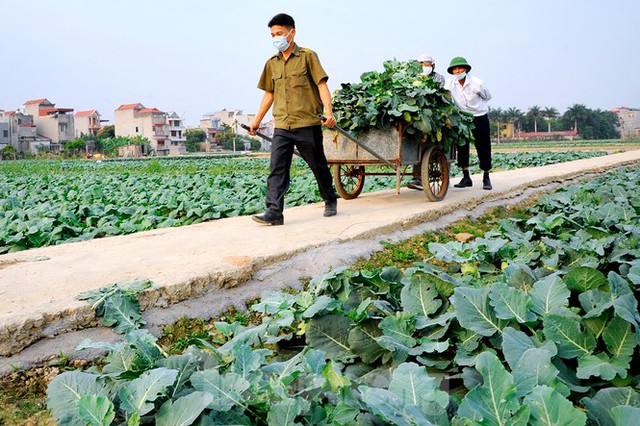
[
  {"x": 308, "y": 140},
  {"x": 482, "y": 136}
]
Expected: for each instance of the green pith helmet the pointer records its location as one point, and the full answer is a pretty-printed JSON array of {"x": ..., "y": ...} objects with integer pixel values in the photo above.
[{"x": 458, "y": 61}]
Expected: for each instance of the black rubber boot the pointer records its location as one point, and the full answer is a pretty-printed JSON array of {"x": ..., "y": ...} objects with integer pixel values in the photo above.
[
  {"x": 269, "y": 218},
  {"x": 466, "y": 180},
  {"x": 330, "y": 208},
  {"x": 486, "y": 182}
]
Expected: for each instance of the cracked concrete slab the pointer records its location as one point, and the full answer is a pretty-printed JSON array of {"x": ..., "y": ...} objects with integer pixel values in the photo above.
[{"x": 199, "y": 270}]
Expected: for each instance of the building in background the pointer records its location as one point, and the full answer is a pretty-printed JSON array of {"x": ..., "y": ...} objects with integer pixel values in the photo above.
[
  {"x": 55, "y": 124},
  {"x": 88, "y": 122},
  {"x": 177, "y": 137},
  {"x": 211, "y": 125},
  {"x": 22, "y": 132},
  {"x": 628, "y": 122},
  {"x": 151, "y": 123},
  {"x": 214, "y": 122}
]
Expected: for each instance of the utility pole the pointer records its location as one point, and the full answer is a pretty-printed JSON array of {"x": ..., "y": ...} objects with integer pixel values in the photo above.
[{"x": 235, "y": 132}]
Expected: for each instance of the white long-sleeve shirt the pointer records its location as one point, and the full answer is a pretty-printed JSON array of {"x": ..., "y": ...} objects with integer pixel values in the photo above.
[{"x": 471, "y": 97}]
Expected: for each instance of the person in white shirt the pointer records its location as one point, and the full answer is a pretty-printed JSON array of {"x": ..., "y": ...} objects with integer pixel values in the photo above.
[
  {"x": 428, "y": 70},
  {"x": 470, "y": 95}
]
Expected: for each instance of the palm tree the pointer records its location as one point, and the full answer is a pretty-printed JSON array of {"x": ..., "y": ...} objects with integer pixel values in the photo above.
[
  {"x": 514, "y": 115},
  {"x": 550, "y": 113},
  {"x": 497, "y": 115},
  {"x": 576, "y": 112},
  {"x": 535, "y": 112}
]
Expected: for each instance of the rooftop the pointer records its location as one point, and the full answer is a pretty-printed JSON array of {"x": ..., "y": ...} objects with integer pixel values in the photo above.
[{"x": 86, "y": 113}]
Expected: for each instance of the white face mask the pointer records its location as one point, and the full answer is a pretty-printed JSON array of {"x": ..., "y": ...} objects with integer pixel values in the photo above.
[
  {"x": 281, "y": 43},
  {"x": 461, "y": 76},
  {"x": 427, "y": 70}
]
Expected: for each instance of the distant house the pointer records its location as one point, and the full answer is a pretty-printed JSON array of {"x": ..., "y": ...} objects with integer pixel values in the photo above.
[
  {"x": 628, "y": 122},
  {"x": 55, "y": 124},
  {"x": 138, "y": 120},
  {"x": 177, "y": 137},
  {"x": 88, "y": 122},
  {"x": 212, "y": 123},
  {"x": 22, "y": 132}
]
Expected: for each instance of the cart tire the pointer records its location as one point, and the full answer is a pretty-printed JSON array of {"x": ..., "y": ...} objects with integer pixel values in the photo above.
[
  {"x": 349, "y": 180},
  {"x": 435, "y": 174}
]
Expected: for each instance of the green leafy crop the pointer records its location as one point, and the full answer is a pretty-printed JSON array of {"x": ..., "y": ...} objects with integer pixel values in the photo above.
[{"x": 535, "y": 323}]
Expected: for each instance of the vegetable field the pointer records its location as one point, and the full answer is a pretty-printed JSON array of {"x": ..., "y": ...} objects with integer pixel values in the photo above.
[
  {"x": 534, "y": 323},
  {"x": 50, "y": 202}
]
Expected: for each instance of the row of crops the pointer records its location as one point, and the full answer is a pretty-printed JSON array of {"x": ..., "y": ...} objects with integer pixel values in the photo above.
[
  {"x": 534, "y": 323},
  {"x": 51, "y": 202}
]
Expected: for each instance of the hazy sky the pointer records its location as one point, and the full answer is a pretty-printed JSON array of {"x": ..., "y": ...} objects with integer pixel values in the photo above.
[{"x": 196, "y": 56}]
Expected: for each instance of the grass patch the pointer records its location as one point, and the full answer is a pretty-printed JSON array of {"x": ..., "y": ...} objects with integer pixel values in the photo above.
[{"x": 404, "y": 253}]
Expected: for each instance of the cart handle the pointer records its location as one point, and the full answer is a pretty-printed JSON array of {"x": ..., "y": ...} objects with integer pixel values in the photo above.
[
  {"x": 360, "y": 144},
  {"x": 267, "y": 138},
  {"x": 262, "y": 135}
]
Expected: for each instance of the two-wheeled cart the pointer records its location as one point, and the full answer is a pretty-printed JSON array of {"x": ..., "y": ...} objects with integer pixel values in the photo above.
[{"x": 352, "y": 159}]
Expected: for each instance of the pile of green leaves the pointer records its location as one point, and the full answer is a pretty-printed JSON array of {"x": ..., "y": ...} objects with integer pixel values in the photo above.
[
  {"x": 400, "y": 96},
  {"x": 535, "y": 323}
]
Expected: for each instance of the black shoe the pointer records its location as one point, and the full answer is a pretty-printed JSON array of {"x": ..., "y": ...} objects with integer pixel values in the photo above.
[
  {"x": 416, "y": 183},
  {"x": 330, "y": 208},
  {"x": 465, "y": 182},
  {"x": 486, "y": 183},
  {"x": 269, "y": 218}
]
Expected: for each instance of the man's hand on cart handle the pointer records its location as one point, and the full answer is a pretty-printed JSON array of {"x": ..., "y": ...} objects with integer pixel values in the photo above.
[
  {"x": 329, "y": 120},
  {"x": 253, "y": 131},
  {"x": 253, "y": 128}
]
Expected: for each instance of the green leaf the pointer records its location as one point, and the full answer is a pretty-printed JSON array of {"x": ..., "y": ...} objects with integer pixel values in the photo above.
[
  {"x": 411, "y": 383},
  {"x": 123, "y": 312},
  {"x": 226, "y": 389},
  {"x": 391, "y": 408},
  {"x": 548, "y": 294},
  {"x": 65, "y": 391},
  {"x": 625, "y": 415},
  {"x": 568, "y": 336},
  {"x": 97, "y": 410},
  {"x": 247, "y": 361},
  {"x": 330, "y": 333},
  {"x": 549, "y": 408},
  {"x": 474, "y": 312},
  {"x": 420, "y": 296},
  {"x": 600, "y": 365},
  {"x": 138, "y": 395},
  {"x": 334, "y": 377},
  {"x": 495, "y": 401},
  {"x": 583, "y": 278},
  {"x": 520, "y": 276},
  {"x": 320, "y": 304},
  {"x": 619, "y": 337},
  {"x": 185, "y": 365},
  {"x": 511, "y": 304},
  {"x": 363, "y": 341},
  {"x": 285, "y": 412},
  {"x": 600, "y": 406},
  {"x": 183, "y": 411},
  {"x": 535, "y": 368},
  {"x": 397, "y": 335}
]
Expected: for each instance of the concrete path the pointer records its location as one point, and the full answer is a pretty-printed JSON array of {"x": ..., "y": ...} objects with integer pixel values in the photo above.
[{"x": 38, "y": 287}]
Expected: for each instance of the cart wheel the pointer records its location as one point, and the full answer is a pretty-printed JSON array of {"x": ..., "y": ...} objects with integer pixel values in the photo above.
[
  {"x": 349, "y": 180},
  {"x": 435, "y": 174}
]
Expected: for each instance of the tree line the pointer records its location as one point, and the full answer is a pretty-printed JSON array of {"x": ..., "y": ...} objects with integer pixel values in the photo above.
[{"x": 589, "y": 123}]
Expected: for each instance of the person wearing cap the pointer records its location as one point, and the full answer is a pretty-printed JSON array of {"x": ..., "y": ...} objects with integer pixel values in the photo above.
[
  {"x": 470, "y": 95},
  {"x": 295, "y": 84},
  {"x": 429, "y": 68},
  {"x": 429, "y": 71}
]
